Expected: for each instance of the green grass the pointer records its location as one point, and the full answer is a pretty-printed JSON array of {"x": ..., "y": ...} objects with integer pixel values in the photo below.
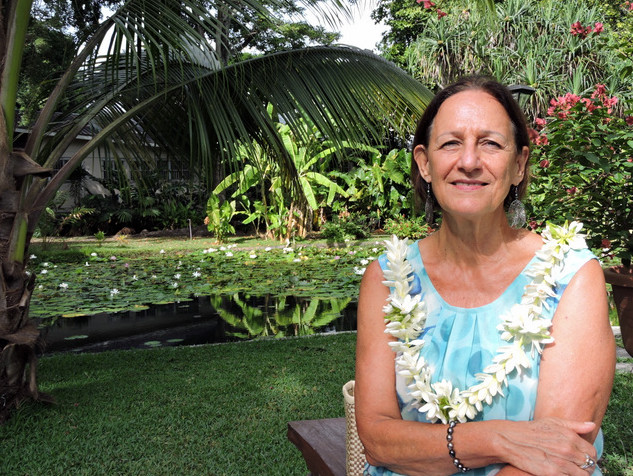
[{"x": 211, "y": 410}]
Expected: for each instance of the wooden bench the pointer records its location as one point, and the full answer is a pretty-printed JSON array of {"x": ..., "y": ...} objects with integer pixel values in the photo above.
[{"x": 322, "y": 444}]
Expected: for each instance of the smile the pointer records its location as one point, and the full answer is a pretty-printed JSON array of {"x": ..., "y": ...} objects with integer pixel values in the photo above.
[{"x": 469, "y": 185}]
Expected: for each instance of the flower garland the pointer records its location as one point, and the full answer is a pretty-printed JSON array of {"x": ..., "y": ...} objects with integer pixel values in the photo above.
[{"x": 522, "y": 327}]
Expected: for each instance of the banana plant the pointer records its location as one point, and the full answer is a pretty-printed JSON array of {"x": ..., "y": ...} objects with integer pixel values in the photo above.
[{"x": 151, "y": 75}]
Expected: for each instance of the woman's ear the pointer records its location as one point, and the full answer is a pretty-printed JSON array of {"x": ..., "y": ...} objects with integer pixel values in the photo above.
[
  {"x": 522, "y": 159},
  {"x": 422, "y": 160}
]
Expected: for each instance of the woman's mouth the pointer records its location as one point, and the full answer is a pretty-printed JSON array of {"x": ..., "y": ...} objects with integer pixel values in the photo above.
[{"x": 469, "y": 184}]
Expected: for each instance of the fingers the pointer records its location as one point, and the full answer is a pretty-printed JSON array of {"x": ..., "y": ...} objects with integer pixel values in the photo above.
[{"x": 551, "y": 446}]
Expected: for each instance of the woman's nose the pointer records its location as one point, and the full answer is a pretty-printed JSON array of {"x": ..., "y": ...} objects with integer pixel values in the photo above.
[{"x": 469, "y": 159}]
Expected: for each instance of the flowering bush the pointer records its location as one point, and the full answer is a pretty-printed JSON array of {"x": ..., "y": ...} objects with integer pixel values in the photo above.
[{"x": 584, "y": 161}]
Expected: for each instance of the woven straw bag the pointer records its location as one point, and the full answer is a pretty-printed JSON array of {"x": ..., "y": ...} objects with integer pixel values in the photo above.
[{"x": 355, "y": 458}]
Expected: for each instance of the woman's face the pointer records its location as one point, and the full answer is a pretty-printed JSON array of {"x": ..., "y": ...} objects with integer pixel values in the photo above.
[{"x": 471, "y": 160}]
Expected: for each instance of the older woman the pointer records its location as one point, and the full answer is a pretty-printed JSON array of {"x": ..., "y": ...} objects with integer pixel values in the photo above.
[{"x": 482, "y": 348}]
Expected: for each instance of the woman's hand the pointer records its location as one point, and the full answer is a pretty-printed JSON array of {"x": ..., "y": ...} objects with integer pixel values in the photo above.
[{"x": 547, "y": 446}]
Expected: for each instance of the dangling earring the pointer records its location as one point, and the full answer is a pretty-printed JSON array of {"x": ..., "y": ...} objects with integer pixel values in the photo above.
[
  {"x": 516, "y": 211},
  {"x": 428, "y": 206}
]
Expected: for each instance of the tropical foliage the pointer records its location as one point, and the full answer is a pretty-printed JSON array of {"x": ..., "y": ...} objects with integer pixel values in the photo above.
[
  {"x": 584, "y": 169},
  {"x": 549, "y": 45},
  {"x": 151, "y": 74}
]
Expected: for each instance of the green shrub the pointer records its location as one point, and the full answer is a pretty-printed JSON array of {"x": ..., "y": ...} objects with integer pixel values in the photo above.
[
  {"x": 352, "y": 227},
  {"x": 412, "y": 228}
]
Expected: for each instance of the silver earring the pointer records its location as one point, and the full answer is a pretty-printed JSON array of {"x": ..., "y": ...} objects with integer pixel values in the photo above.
[
  {"x": 428, "y": 206},
  {"x": 516, "y": 211}
]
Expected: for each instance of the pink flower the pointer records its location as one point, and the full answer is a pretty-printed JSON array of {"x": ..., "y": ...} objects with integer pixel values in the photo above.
[
  {"x": 629, "y": 120},
  {"x": 544, "y": 163},
  {"x": 540, "y": 123},
  {"x": 427, "y": 3},
  {"x": 597, "y": 28},
  {"x": 589, "y": 105},
  {"x": 600, "y": 90},
  {"x": 576, "y": 28},
  {"x": 532, "y": 134},
  {"x": 572, "y": 191},
  {"x": 542, "y": 140},
  {"x": 440, "y": 14}
]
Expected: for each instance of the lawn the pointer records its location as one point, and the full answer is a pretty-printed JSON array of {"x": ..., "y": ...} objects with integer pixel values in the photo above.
[{"x": 212, "y": 410}]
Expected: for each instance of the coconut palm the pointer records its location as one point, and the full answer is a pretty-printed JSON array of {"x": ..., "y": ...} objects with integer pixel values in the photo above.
[{"x": 150, "y": 75}]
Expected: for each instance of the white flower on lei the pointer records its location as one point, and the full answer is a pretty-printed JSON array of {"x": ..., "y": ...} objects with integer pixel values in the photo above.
[{"x": 522, "y": 327}]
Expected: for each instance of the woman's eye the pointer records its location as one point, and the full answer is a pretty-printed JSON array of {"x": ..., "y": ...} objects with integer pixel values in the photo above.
[
  {"x": 450, "y": 143},
  {"x": 491, "y": 143}
]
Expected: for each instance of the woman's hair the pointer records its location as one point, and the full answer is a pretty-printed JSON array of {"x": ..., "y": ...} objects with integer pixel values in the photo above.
[{"x": 502, "y": 94}]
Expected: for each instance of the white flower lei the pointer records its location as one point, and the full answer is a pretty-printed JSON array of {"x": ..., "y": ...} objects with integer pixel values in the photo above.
[{"x": 522, "y": 327}]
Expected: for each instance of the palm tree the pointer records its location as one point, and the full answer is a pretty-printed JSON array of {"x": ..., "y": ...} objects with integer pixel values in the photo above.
[{"x": 150, "y": 73}]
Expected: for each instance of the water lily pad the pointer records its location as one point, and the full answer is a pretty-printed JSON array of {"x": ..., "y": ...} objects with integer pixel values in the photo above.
[
  {"x": 153, "y": 343},
  {"x": 174, "y": 341},
  {"x": 74, "y": 314},
  {"x": 77, "y": 337}
]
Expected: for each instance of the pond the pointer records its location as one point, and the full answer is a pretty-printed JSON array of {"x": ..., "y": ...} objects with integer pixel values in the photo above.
[{"x": 200, "y": 320}]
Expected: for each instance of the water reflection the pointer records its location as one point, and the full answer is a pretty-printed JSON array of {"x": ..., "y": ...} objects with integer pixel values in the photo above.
[{"x": 201, "y": 320}]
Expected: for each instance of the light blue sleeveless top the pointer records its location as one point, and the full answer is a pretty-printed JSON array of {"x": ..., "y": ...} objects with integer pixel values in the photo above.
[{"x": 460, "y": 342}]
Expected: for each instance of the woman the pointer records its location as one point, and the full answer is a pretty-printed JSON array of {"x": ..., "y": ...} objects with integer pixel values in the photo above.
[{"x": 483, "y": 296}]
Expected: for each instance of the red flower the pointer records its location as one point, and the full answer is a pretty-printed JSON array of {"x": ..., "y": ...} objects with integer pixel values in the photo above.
[
  {"x": 540, "y": 123},
  {"x": 533, "y": 135},
  {"x": 544, "y": 163},
  {"x": 542, "y": 140},
  {"x": 440, "y": 14},
  {"x": 572, "y": 190},
  {"x": 576, "y": 28},
  {"x": 600, "y": 90},
  {"x": 629, "y": 120},
  {"x": 605, "y": 243},
  {"x": 597, "y": 28},
  {"x": 427, "y": 3}
]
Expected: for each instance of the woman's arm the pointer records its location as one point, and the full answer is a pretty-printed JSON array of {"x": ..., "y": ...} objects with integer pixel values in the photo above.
[
  {"x": 577, "y": 370},
  {"x": 547, "y": 446}
]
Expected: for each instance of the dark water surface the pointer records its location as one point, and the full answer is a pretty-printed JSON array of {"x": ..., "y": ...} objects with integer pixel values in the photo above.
[{"x": 202, "y": 320}]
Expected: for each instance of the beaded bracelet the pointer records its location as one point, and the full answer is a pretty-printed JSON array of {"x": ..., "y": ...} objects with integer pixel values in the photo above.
[{"x": 451, "y": 451}]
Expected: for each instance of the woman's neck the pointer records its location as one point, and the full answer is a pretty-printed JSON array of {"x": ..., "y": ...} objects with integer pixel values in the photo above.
[{"x": 473, "y": 242}]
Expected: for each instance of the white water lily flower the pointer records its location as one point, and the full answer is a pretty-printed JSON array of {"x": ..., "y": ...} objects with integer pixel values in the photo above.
[
  {"x": 43, "y": 271},
  {"x": 94, "y": 255},
  {"x": 364, "y": 262},
  {"x": 114, "y": 292},
  {"x": 196, "y": 274},
  {"x": 32, "y": 257},
  {"x": 252, "y": 256},
  {"x": 229, "y": 254},
  {"x": 268, "y": 248},
  {"x": 357, "y": 270},
  {"x": 162, "y": 252},
  {"x": 174, "y": 285},
  {"x": 134, "y": 278},
  {"x": 64, "y": 286}
]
